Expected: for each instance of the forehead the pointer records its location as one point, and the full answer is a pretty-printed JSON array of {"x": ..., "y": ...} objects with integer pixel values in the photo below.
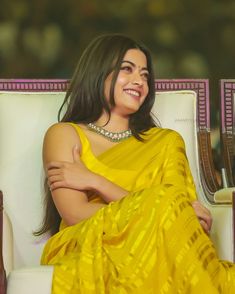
[{"x": 136, "y": 56}]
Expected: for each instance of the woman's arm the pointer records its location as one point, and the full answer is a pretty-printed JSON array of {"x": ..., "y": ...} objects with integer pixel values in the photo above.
[
  {"x": 58, "y": 157},
  {"x": 72, "y": 205},
  {"x": 77, "y": 176}
]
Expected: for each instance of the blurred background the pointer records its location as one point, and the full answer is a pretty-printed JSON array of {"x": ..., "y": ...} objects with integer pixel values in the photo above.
[{"x": 188, "y": 39}]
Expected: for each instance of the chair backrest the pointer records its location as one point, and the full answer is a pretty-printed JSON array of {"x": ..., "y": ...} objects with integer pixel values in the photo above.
[
  {"x": 183, "y": 105},
  {"x": 27, "y": 108},
  {"x": 26, "y": 111},
  {"x": 227, "y": 109}
]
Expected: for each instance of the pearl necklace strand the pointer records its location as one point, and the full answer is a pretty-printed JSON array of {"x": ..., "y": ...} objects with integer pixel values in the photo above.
[{"x": 112, "y": 136}]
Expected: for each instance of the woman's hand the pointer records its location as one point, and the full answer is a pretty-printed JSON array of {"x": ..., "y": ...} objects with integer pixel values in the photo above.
[
  {"x": 69, "y": 175},
  {"x": 77, "y": 176},
  {"x": 203, "y": 215}
]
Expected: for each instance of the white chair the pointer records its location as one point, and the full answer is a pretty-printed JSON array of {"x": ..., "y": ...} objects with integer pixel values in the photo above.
[
  {"x": 26, "y": 111},
  {"x": 27, "y": 108}
]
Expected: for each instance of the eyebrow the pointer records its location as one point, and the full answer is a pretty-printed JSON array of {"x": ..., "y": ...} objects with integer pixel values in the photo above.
[{"x": 143, "y": 68}]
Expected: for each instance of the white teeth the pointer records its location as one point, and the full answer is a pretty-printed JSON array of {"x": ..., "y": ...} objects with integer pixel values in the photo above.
[{"x": 133, "y": 92}]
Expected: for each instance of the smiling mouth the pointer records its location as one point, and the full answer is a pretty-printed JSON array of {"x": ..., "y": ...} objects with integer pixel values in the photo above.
[{"x": 133, "y": 93}]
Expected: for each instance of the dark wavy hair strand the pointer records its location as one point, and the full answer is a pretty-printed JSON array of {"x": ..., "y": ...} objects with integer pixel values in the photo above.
[{"x": 85, "y": 99}]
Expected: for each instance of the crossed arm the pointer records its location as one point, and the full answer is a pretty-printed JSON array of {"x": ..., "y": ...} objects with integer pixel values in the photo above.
[{"x": 70, "y": 180}]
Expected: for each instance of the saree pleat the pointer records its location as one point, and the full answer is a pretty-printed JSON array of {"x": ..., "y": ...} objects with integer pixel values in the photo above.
[{"x": 150, "y": 241}]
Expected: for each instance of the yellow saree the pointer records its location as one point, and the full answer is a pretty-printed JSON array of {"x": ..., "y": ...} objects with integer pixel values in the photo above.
[{"x": 150, "y": 241}]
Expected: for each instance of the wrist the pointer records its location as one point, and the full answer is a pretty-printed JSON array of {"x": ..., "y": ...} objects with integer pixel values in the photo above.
[{"x": 96, "y": 182}]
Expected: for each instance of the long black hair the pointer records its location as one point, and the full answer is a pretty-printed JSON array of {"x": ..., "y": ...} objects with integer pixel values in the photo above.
[{"x": 85, "y": 99}]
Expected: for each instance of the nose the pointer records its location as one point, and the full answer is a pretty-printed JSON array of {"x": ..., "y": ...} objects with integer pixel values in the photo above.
[{"x": 137, "y": 79}]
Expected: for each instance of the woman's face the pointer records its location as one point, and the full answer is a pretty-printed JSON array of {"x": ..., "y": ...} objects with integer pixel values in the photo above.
[{"x": 131, "y": 86}]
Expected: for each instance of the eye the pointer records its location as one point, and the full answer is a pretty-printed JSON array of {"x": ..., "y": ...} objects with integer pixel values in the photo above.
[
  {"x": 126, "y": 68},
  {"x": 145, "y": 76}
]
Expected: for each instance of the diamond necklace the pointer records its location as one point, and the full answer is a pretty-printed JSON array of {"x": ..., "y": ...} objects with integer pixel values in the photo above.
[{"x": 112, "y": 136}]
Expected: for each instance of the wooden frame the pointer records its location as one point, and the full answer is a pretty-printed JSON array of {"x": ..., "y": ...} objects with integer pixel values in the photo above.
[{"x": 227, "y": 114}]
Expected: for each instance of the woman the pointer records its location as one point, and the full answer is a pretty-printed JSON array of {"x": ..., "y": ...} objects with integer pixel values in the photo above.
[{"x": 122, "y": 196}]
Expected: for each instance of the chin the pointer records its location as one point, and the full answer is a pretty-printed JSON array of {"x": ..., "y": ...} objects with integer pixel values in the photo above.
[
  {"x": 133, "y": 110},
  {"x": 135, "y": 107}
]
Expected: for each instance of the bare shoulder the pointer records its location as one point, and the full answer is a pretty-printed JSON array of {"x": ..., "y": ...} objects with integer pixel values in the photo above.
[
  {"x": 59, "y": 141},
  {"x": 61, "y": 129}
]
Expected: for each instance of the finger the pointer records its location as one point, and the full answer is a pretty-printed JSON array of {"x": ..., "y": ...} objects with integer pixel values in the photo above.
[
  {"x": 201, "y": 209},
  {"x": 202, "y": 213},
  {"x": 54, "y": 172},
  {"x": 54, "y": 164},
  {"x": 59, "y": 184},
  {"x": 204, "y": 216},
  {"x": 204, "y": 226},
  {"x": 56, "y": 185},
  {"x": 197, "y": 204},
  {"x": 76, "y": 155},
  {"x": 54, "y": 179}
]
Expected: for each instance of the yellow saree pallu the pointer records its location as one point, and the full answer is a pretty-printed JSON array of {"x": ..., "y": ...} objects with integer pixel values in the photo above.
[{"x": 150, "y": 241}]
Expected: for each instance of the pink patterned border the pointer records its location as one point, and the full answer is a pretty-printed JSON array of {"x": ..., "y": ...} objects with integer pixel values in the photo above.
[
  {"x": 35, "y": 85},
  {"x": 227, "y": 88}
]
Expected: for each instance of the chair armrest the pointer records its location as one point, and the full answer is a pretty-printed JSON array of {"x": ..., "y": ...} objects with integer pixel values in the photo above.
[
  {"x": 37, "y": 280},
  {"x": 224, "y": 195},
  {"x": 222, "y": 233},
  {"x": 223, "y": 230}
]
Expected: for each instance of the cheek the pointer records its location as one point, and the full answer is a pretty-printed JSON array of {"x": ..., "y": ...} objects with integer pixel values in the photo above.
[
  {"x": 121, "y": 80},
  {"x": 146, "y": 89},
  {"x": 106, "y": 93},
  {"x": 120, "y": 83},
  {"x": 107, "y": 86}
]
